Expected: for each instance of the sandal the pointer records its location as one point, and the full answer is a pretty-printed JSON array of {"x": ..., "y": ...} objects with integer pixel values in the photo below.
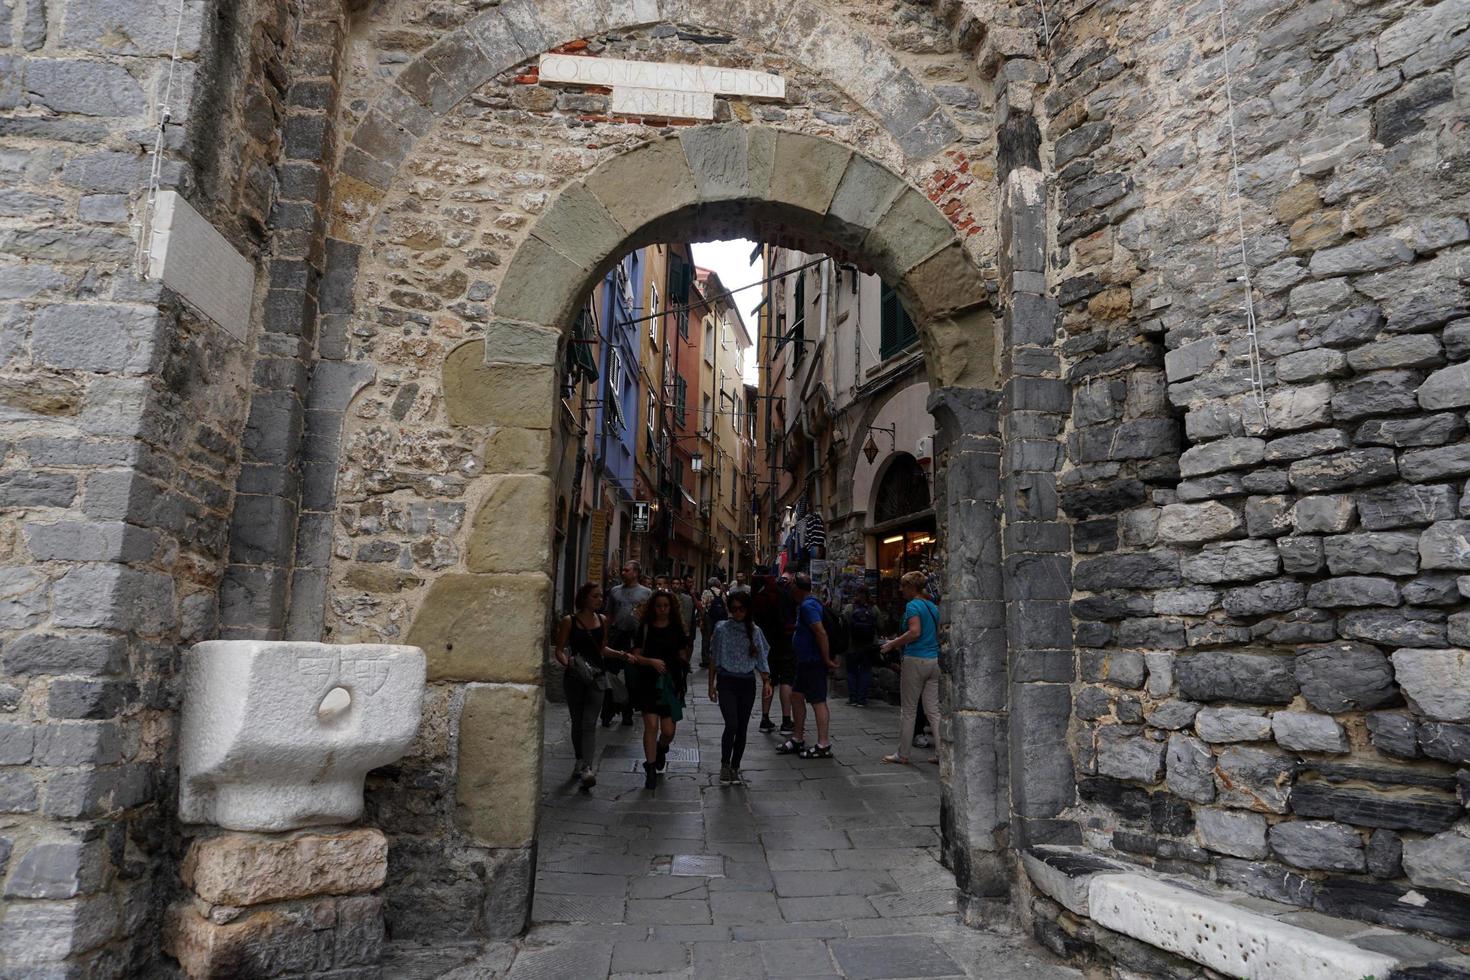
[
  {"x": 815, "y": 752},
  {"x": 790, "y": 746},
  {"x": 896, "y": 759}
]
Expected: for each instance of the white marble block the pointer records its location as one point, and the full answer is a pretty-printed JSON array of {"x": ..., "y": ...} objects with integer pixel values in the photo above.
[{"x": 279, "y": 735}]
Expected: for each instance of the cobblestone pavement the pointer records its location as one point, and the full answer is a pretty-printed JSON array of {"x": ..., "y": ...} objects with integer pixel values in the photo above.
[{"x": 820, "y": 868}]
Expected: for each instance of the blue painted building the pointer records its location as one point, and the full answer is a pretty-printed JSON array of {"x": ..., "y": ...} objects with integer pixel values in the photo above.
[{"x": 616, "y": 432}]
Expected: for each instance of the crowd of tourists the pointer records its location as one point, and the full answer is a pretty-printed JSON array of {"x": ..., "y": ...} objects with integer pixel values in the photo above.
[{"x": 631, "y": 650}]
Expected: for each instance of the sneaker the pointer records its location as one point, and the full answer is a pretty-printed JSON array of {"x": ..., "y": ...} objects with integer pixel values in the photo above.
[
  {"x": 736, "y": 779},
  {"x": 727, "y": 775},
  {"x": 767, "y": 725},
  {"x": 589, "y": 778},
  {"x": 650, "y": 776},
  {"x": 578, "y": 768},
  {"x": 662, "y": 760},
  {"x": 787, "y": 727}
]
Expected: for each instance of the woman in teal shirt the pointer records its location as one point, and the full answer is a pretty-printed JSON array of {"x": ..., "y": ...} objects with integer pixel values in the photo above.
[{"x": 919, "y": 680}]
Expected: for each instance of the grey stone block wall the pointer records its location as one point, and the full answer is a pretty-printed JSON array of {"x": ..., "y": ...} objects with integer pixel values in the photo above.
[
  {"x": 1263, "y": 594},
  {"x": 120, "y": 427}
]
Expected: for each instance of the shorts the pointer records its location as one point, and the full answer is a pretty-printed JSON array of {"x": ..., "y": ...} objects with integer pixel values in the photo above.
[
  {"x": 783, "y": 666},
  {"x": 811, "y": 681}
]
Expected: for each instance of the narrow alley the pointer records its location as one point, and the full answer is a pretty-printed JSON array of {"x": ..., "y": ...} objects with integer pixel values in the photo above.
[{"x": 819, "y": 868}]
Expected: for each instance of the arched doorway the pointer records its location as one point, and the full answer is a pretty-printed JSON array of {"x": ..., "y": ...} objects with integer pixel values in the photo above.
[
  {"x": 464, "y": 268},
  {"x": 903, "y": 529}
]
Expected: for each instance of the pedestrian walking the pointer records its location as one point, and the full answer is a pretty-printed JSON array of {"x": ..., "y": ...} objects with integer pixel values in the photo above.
[
  {"x": 582, "y": 651},
  {"x": 813, "y": 664},
  {"x": 738, "y": 652},
  {"x": 742, "y": 584},
  {"x": 625, "y": 606},
  {"x": 919, "y": 678},
  {"x": 661, "y": 664},
  {"x": 688, "y": 606},
  {"x": 712, "y": 601},
  {"x": 766, "y": 604},
  {"x": 862, "y": 647}
]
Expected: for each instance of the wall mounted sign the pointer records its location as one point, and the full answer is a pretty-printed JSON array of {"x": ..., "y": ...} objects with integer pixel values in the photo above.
[{"x": 651, "y": 88}]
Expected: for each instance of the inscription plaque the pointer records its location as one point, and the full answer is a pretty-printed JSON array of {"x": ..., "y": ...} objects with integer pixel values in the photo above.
[
  {"x": 650, "y": 88},
  {"x": 630, "y": 101}
]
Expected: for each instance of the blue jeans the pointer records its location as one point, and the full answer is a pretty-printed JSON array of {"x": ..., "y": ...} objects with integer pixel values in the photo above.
[{"x": 859, "y": 679}]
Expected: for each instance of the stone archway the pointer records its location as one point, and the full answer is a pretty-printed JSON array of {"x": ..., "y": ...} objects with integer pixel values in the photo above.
[
  {"x": 407, "y": 544},
  {"x": 731, "y": 180}
]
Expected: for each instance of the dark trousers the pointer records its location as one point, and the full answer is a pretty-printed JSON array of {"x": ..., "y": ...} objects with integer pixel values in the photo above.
[
  {"x": 611, "y": 707},
  {"x": 737, "y": 698},
  {"x": 583, "y": 701},
  {"x": 859, "y": 678}
]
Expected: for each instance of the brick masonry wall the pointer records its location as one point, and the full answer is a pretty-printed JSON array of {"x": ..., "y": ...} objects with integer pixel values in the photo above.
[
  {"x": 122, "y": 415},
  {"x": 1270, "y": 614}
]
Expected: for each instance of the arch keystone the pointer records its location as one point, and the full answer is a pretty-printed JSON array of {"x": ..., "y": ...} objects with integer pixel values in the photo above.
[
  {"x": 717, "y": 157},
  {"x": 806, "y": 171},
  {"x": 578, "y": 226},
  {"x": 623, "y": 184}
]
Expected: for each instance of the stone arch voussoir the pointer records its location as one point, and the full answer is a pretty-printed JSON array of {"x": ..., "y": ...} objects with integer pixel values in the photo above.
[
  {"x": 516, "y": 31},
  {"x": 746, "y": 178}
]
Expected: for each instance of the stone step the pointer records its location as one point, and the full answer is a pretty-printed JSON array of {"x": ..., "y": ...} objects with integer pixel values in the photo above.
[{"x": 1238, "y": 935}]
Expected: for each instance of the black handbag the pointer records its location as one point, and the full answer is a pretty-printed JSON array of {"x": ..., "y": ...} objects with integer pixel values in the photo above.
[{"x": 586, "y": 673}]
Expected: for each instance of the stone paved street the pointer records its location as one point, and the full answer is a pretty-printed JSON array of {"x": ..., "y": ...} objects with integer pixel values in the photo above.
[{"x": 814, "y": 869}]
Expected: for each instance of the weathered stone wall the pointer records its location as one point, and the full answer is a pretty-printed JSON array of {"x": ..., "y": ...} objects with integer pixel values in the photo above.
[
  {"x": 1271, "y": 607},
  {"x": 439, "y": 527},
  {"x": 122, "y": 414}
]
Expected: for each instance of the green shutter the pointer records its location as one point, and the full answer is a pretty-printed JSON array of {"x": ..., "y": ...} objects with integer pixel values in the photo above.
[
  {"x": 897, "y": 331},
  {"x": 582, "y": 360}
]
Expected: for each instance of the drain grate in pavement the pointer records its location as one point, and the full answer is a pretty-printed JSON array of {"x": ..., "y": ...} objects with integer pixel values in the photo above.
[
  {"x": 698, "y": 865},
  {"x": 677, "y": 753}
]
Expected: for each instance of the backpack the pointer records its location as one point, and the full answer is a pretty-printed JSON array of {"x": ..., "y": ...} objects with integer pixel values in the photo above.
[
  {"x": 715, "y": 612},
  {"x": 836, "y": 631},
  {"x": 862, "y": 625}
]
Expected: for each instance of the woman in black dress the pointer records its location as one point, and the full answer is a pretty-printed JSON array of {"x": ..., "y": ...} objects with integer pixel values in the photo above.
[
  {"x": 583, "y": 635},
  {"x": 656, "y": 687}
]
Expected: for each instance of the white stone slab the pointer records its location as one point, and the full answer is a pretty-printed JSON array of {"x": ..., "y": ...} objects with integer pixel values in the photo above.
[
  {"x": 259, "y": 748},
  {"x": 567, "y": 69},
  {"x": 1225, "y": 937},
  {"x": 630, "y": 101},
  {"x": 195, "y": 261}
]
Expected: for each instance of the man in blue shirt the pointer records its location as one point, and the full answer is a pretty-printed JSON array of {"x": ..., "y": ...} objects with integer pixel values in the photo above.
[{"x": 813, "y": 663}]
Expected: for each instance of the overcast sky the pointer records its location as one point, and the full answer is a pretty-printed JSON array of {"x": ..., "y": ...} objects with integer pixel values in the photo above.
[{"x": 732, "y": 261}]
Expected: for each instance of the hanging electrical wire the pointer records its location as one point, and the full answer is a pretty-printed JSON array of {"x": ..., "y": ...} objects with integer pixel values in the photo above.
[
  {"x": 143, "y": 225},
  {"x": 725, "y": 295},
  {"x": 1257, "y": 376}
]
